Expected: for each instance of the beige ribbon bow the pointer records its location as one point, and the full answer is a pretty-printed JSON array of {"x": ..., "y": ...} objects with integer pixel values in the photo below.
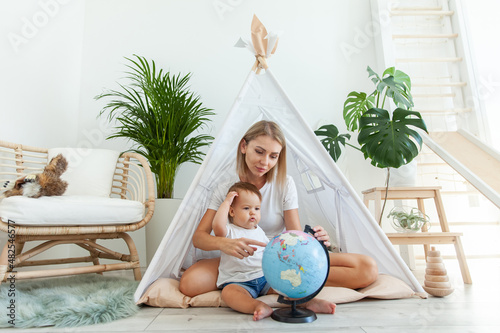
[{"x": 264, "y": 44}]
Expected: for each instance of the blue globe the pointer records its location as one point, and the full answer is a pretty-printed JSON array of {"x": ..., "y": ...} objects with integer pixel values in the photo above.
[{"x": 295, "y": 264}]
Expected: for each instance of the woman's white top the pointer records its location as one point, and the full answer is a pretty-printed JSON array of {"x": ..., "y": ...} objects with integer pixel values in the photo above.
[
  {"x": 274, "y": 203},
  {"x": 232, "y": 269}
]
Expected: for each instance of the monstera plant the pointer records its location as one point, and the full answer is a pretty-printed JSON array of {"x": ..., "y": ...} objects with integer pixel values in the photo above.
[{"x": 388, "y": 139}]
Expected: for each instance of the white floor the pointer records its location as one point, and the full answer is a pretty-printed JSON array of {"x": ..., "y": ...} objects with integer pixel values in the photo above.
[{"x": 471, "y": 308}]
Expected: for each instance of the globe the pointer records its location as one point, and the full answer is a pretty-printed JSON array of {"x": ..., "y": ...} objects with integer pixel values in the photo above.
[{"x": 295, "y": 264}]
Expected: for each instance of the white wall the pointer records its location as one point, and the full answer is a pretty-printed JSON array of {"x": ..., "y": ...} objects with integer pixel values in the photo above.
[
  {"x": 49, "y": 82},
  {"x": 40, "y": 71}
]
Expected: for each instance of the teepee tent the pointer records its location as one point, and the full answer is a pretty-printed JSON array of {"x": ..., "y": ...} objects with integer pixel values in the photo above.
[{"x": 325, "y": 196}]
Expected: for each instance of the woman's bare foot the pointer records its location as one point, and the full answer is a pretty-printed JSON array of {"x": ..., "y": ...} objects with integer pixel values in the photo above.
[
  {"x": 321, "y": 306},
  {"x": 262, "y": 311}
]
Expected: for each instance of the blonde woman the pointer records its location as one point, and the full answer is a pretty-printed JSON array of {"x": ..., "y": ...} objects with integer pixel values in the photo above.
[{"x": 261, "y": 161}]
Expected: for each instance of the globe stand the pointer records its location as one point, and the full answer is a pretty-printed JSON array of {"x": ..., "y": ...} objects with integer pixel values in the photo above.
[{"x": 296, "y": 315}]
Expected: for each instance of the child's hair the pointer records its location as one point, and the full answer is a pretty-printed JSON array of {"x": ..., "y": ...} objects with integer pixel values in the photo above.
[
  {"x": 244, "y": 186},
  {"x": 271, "y": 129}
]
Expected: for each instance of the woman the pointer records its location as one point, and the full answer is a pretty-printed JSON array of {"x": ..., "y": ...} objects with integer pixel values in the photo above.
[{"x": 261, "y": 160}]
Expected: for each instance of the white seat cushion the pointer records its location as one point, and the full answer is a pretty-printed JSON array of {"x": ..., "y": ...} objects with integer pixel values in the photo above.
[{"x": 70, "y": 210}]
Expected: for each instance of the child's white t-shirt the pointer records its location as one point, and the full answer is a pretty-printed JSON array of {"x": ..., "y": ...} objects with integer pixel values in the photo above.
[{"x": 232, "y": 269}]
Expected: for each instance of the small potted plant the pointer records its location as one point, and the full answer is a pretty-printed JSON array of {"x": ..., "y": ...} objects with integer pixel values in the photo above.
[{"x": 404, "y": 220}]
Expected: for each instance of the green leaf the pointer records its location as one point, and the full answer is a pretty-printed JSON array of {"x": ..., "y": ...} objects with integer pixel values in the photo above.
[
  {"x": 373, "y": 76},
  {"x": 390, "y": 142},
  {"x": 399, "y": 76},
  {"x": 399, "y": 92},
  {"x": 398, "y": 86},
  {"x": 355, "y": 105},
  {"x": 333, "y": 140}
]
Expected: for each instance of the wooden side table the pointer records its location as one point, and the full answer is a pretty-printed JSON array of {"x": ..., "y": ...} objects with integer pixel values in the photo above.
[{"x": 377, "y": 194}]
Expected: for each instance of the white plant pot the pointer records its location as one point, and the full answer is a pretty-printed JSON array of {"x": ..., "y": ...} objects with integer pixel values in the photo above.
[
  {"x": 404, "y": 176},
  {"x": 156, "y": 228}
]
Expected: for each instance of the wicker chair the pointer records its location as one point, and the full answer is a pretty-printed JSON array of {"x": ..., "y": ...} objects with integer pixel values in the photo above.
[{"x": 132, "y": 180}]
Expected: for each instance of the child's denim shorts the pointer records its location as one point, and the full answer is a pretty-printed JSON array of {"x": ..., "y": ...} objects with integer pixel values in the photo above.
[{"x": 256, "y": 287}]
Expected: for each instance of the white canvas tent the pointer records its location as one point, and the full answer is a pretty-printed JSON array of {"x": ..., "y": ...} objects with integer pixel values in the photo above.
[{"x": 325, "y": 196}]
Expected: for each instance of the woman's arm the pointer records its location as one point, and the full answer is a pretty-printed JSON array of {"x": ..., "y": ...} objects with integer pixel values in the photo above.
[
  {"x": 292, "y": 222},
  {"x": 238, "y": 248},
  {"x": 202, "y": 238},
  {"x": 219, "y": 224}
]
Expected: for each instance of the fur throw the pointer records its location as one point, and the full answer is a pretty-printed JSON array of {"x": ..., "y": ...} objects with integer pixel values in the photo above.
[{"x": 46, "y": 183}]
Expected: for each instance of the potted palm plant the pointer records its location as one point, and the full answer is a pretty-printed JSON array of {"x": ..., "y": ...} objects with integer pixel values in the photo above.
[
  {"x": 159, "y": 114},
  {"x": 388, "y": 139}
]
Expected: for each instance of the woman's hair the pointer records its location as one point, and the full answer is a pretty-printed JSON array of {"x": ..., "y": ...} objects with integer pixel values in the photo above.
[{"x": 272, "y": 130}]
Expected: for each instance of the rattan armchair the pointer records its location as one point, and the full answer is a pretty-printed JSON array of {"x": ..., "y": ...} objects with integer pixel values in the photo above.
[{"x": 132, "y": 180}]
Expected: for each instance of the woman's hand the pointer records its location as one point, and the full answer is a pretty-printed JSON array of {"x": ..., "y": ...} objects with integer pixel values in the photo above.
[
  {"x": 321, "y": 235},
  {"x": 292, "y": 223},
  {"x": 240, "y": 247}
]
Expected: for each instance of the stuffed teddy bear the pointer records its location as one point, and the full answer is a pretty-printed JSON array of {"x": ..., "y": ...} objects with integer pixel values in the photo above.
[{"x": 46, "y": 183}]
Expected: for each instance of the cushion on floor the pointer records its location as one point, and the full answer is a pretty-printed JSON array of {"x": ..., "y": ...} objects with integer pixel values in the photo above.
[
  {"x": 70, "y": 210},
  {"x": 165, "y": 293}
]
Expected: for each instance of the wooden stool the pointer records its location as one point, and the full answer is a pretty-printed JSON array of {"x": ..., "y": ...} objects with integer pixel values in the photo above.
[{"x": 426, "y": 238}]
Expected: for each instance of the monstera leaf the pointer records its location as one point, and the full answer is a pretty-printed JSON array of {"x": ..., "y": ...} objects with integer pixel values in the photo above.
[
  {"x": 398, "y": 92},
  {"x": 388, "y": 143},
  {"x": 399, "y": 76},
  {"x": 355, "y": 105},
  {"x": 397, "y": 85},
  {"x": 332, "y": 140}
]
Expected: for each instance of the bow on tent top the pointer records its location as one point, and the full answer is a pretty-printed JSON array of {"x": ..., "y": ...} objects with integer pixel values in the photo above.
[{"x": 262, "y": 44}]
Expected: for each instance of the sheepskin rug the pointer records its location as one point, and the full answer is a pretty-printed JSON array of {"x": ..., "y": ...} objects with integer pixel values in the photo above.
[{"x": 66, "y": 302}]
